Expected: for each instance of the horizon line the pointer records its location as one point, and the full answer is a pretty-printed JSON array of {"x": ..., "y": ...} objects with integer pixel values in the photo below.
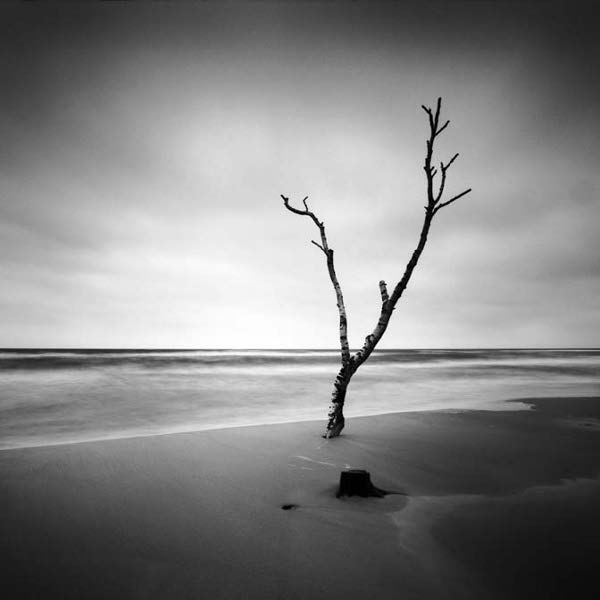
[{"x": 272, "y": 349}]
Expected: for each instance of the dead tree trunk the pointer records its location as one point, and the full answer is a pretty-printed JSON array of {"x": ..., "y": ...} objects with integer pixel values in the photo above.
[{"x": 351, "y": 362}]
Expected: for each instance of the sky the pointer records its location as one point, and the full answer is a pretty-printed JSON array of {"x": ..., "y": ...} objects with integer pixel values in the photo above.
[{"x": 145, "y": 147}]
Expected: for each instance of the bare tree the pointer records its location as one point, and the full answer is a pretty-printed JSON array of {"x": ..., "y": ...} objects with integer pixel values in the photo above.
[{"x": 351, "y": 362}]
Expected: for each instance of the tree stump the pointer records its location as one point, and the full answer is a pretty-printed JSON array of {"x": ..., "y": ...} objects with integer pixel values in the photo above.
[{"x": 357, "y": 482}]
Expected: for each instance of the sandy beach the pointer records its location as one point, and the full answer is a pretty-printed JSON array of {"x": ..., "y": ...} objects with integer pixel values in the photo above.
[{"x": 487, "y": 505}]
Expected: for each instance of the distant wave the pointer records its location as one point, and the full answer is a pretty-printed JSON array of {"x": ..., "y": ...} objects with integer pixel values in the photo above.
[{"x": 73, "y": 359}]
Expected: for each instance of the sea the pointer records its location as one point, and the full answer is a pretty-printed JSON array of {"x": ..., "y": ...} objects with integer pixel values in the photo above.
[{"x": 62, "y": 396}]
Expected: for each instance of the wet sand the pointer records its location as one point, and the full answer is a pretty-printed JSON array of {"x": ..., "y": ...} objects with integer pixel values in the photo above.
[{"x": 487, "y": 505}]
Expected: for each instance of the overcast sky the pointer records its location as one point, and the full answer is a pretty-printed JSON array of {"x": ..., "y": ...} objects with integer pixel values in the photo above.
[{"x": 144, "y": 148}]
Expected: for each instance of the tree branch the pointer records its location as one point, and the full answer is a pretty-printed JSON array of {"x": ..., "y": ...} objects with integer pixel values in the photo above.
[
  {"x": 442, "y": 128},
  {"x": 319, "y": 246},
  {"x": 324, "y": 247},
  {"x": 446, "y": 167},
  {"x": 454, "y": 199},
  {"x": 438, "y": 108},
  {"x": 429, "y": 113},
  {"x": 306, "y": 212}
]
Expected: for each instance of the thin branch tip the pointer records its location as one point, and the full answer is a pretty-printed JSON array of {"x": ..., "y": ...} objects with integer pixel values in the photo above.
[
  {"x": 453, "y": 199},
  {"x": 447, "y": 166},
  {"x": 442, "y": 128},
  {"x": 319, "y": 246}
]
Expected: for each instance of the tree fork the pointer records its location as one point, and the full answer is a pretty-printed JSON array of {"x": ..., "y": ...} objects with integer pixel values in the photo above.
[{"x": 351, "y": 362}]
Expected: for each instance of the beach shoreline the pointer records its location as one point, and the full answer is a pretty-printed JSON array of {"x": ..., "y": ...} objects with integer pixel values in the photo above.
[
  {"x": 487, "y": 505},
  {"x": 506, "y": 405}
]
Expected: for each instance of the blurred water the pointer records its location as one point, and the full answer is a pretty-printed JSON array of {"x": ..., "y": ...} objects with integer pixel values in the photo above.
[{"x": 56, "y": 396}]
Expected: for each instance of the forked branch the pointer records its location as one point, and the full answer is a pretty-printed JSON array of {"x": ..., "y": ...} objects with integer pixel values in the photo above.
[{"x": 434, "y": 203}]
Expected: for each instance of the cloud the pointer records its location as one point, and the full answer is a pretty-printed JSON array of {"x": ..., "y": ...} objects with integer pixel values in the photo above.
[{"x": 145, "y": 148}]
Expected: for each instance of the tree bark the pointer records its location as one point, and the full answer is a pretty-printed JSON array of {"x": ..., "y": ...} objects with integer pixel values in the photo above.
[{"x": 336, "y": 420}]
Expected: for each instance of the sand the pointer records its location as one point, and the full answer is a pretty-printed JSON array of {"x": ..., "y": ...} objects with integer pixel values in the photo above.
[{"x": 487, "y": 505}]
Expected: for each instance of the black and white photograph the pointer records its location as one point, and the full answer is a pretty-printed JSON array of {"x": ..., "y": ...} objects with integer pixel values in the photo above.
[{"x": 299, "y": 300}]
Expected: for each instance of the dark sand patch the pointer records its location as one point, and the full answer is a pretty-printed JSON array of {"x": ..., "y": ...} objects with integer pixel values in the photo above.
[
  {"x": 542, "y": 543},
  {"x": 583, "y": 406}
]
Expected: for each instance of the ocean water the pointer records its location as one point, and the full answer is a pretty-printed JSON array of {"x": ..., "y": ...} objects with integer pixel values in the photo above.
[{"x": 59, "y": 396}]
